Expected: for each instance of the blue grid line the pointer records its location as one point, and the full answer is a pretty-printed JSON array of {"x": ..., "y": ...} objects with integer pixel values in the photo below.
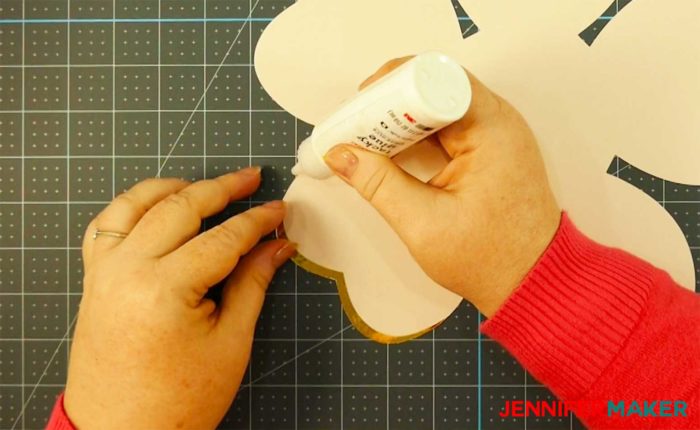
[
  {"x": 162, "y": 20},
  {"x": 478, "y": 373},
  {"x": 142, "y": 20},
  {"x": 126, "y": 20}
]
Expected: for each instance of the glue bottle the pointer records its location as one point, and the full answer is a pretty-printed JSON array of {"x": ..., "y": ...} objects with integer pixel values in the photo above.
[{"x": 413, "y": 101}]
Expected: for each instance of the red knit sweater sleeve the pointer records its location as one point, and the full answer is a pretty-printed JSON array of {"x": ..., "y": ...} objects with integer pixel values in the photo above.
[
  {"x": 599, "y": 326},
  {"x": 59, "y": 420}
]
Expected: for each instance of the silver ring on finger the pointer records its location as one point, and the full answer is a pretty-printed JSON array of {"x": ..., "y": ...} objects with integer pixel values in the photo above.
[{"x": 114, "y": 234}]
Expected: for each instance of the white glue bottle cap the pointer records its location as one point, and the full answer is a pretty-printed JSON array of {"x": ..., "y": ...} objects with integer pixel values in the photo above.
[
  {"x": 310, "y": 163},
  {"x": 413, "y": 101}
]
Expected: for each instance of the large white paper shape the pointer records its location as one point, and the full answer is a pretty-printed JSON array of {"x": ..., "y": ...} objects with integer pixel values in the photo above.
[
  {"x": 634, "y": 93},
  {"x": 384, "y": 292}
]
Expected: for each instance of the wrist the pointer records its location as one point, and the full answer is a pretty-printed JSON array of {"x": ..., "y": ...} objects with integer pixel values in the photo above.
[
  {"x": 73, "y": 409},
  {"x": 522, "y": 259}
]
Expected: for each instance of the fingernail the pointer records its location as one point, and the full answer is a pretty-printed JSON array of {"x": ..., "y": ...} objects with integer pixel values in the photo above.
[
  {"x": 250, "y": 171},
  {"x": 283, "y": 254},
  {"x": 275, "y": 204},
  {"x": 342, "y": 161}
]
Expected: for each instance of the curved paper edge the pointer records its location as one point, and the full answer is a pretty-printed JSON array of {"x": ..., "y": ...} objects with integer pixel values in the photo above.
[
  {"x": 290, "y": 39},
  {"x": 352, "y": 314}
]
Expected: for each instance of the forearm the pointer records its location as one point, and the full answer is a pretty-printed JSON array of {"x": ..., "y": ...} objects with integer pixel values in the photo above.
[{"x": 596, "y": 324}]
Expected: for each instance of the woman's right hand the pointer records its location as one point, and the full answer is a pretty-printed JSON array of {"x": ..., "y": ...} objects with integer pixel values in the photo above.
[{"x": 481, "y": 224}]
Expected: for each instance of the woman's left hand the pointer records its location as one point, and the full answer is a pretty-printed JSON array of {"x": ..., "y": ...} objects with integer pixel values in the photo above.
[{"x": 150, "y": 351}]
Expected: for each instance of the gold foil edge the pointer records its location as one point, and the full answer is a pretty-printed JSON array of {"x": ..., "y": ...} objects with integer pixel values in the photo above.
[{"x": 352, "y": 314}]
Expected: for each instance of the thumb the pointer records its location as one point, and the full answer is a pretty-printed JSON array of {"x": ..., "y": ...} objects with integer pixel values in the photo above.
[
  {"x": 391, "y": 190},
  {"x": 244, "y": 292}
]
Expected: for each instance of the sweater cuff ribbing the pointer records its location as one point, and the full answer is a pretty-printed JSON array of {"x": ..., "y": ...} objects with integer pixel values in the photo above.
[
  {"x": 59, "y": 419},
  {"x": 573, "y": 312}
]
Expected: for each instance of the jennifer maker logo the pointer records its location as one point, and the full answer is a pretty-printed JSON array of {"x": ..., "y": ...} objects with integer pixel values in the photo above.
[
  {"x": 621, "y": 408},
  {"x": 656, "y": 408}
]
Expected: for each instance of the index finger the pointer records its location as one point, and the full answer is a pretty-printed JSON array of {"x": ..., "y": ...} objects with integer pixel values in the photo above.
[
  {"x": 177, "y": 218},
  {"x": 211, "y": 256},
  {"x": 485, "y": 113},
  {"x": 384, "y": 69},
  {"x": 457, "y": 138}
]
